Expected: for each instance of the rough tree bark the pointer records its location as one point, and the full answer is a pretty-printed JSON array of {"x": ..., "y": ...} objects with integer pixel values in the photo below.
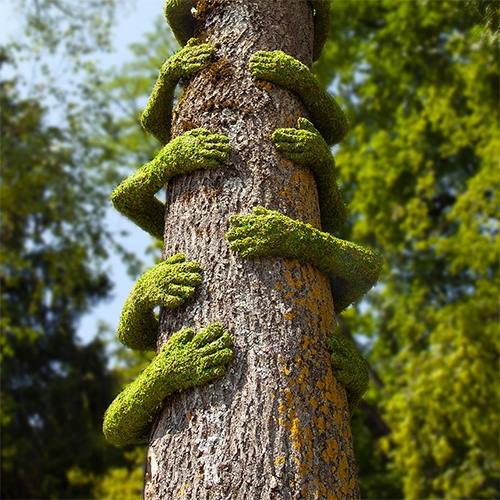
[{"x": 277, "y": 425}]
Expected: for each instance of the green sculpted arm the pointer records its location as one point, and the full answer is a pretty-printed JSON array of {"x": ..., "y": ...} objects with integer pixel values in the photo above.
[
  {"x": 283, "y": 70},
  {"x": 135, "y": 196},
  {"x": 305, "y": 146},
  {"x": 349, "y": 367},
  {"x": 185, "y": 361},
  {"x": 352, "y": 269},
  {"x": 168, "y": 284},
  {"x": 180, "y": 18},
  {"x": 157, "y": 116},
  {"x": 321, "y": 12}
]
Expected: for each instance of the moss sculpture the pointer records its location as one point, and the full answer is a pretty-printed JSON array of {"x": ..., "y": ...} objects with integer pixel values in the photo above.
[
  {"x": 135, "y": 196},
  {"x": 188, "y": 360},
  {"x": 283, "y": 70},
  {"x": 185, "y": 361},
  {"x": 266, "y": 233}
]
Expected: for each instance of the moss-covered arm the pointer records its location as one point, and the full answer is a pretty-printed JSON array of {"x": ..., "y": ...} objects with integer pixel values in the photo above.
[
  {"x": 185, "y": 361},
  {"x": 305, "y": 146},
  {"x": 352, "y": 269},
  {"x": 168, "y": 284},
  {"x": 321, "y": 12},
  {"x": 283, "y": 70},
  {"x": 180, "y": 18},
  {"x": 349, "y": 367},
  {"x": 135, "y": 196},
  {"x": 157, "y": 116}
]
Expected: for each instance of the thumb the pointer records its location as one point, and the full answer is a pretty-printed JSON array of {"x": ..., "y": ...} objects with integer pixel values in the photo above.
[{"x": 304, "y": 124}]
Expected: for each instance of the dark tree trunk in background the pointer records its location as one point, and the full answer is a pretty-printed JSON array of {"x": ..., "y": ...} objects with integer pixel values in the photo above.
[{"x": 277, "y": 425}]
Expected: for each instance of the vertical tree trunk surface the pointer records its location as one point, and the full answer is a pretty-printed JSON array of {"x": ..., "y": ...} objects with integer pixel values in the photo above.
[{"x": 277, "y": 425}]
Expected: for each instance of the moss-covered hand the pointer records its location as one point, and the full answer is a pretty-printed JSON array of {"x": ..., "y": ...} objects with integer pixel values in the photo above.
[
  {"x": 353, "y": 269},
  {"x": 135, "y": 196},
  {"x": 283, "y": 70},
  {"x": 306, "y": 147},
  {"x": 168, "y": 284},
  {"x": 185, "y": 361}
]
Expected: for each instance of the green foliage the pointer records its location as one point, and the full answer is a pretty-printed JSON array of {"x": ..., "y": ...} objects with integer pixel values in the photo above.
[
  {"x": 420, "y": 174},
  {"x": 185, "y": 361},
  {"x": 53, "y": 388},
  {"x": 124, "y": 483}
]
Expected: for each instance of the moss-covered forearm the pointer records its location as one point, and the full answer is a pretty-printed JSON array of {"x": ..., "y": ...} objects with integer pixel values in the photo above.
[
  {"x": 306, "y": 147},
  {"x": 289, "y": 73},
  {"x": 180, "y": 18},
  {"x": 157, "y": 116},
  {"x": 352, "y": 269},
  {"x": 349, "y": 367},
  {"x": 185, "y": 361},
  {"x": 168, "y": 284},
  {"x": 321, "y": 12},
  {"x": 193, "y": 150}
]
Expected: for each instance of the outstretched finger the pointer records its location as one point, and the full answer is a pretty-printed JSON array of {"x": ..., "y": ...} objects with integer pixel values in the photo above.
[
  {"x": 224, "y": 341},
  {"x": 208, "y": 334},
  {"x": 219, "y": 358},
  {"x": 190, "y": 266},
  {"x": 182, "y": 292},
  {"x": 175, "y": 259},
  {"x": 212, "y": 374},
  {"x": 186, "y": 279},
  {"x": 181, "y": 337},
  {"x": 305, "y": 124}
]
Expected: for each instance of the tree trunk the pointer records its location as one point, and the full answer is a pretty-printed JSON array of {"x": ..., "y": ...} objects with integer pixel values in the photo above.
[{"x": 277, "y": 425}]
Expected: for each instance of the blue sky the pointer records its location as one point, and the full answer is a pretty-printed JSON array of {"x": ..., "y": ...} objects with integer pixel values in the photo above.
[{"x": 134, "y": 18}]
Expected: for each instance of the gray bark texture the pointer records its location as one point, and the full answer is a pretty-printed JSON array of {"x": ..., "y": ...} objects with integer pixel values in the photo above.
[{"x": 277, "y": 425}]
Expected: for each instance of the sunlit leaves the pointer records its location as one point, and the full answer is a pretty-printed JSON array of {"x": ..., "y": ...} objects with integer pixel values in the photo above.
[{"x": 420, "y": 171}]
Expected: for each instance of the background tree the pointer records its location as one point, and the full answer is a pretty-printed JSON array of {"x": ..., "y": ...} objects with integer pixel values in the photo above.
[
  {"x": 55, "y": 181},
  {"x": 53, "y": 388},
  {"x": 420, "y": 173}
]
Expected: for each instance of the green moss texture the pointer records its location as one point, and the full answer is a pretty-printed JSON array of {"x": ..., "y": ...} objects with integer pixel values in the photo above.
[
  {"x": 185, "y": 361},
  {"x": 287, "y": 72},
  {"x": 352, "y": 269}
]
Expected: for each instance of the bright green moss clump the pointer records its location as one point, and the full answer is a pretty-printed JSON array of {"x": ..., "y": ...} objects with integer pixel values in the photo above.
[
  {"x": 306, "y": 147},
  {"x": 185, "y": 361},
  {"x": 283, "y": 70},
  {"x": 352, "y": 269},
  {"x": 135, "y": 196}
]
